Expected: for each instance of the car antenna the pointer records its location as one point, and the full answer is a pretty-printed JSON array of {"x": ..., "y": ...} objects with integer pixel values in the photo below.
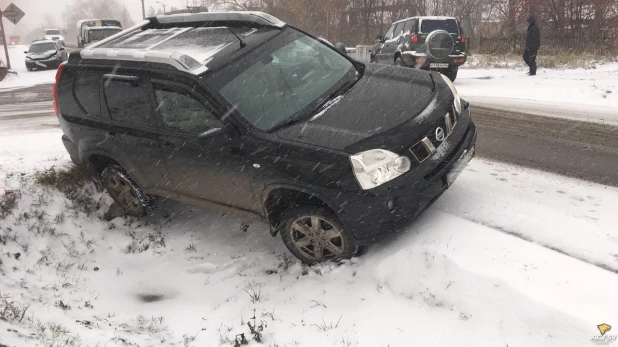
[{"x": 242, "y": 43}]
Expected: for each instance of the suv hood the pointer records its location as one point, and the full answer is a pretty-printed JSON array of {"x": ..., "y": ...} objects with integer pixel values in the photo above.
[
  {"x": 43, "y": 55},
  {"x": 384, "y": 109}
]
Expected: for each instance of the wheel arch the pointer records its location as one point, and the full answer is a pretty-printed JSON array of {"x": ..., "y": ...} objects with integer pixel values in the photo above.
[{"x": 277, "y": 198}]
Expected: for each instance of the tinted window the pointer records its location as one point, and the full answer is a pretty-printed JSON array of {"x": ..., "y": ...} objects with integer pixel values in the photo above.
[
  {"x": 409, "y": 28},
  {"x": 87, "y": 93},
  {"x": 399, "y": 29},
  {"x": 429, "y": 25},
  {"x": 128, "y": 101},
  {"x": 389, "y": 33},
  {"x": 179, "y": 111}
]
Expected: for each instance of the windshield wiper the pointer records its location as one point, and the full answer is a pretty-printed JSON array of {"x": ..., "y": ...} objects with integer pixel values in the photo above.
[{"x": 304, "y": 115}]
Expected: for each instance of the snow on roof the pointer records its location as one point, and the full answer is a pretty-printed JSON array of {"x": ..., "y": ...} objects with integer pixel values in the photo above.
[
  {"x": 103, "y": 28},
  {"x": 426, "y": 17},
  {"x": 43, "y": 41}
]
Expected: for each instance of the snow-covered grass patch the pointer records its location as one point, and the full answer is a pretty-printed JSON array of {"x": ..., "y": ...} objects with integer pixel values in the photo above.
[
  {"x": 560, "y": 87},
  {"x": 556, "y": 61},
  {"x": 478, "y": 269}
]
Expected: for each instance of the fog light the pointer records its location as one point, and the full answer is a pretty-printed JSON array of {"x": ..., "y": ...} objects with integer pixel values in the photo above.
[{"x": 390, "y": 204}]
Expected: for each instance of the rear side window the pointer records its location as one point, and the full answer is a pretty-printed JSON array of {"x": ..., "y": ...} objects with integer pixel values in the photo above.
[
  {"x": 87, "y": 93},
  {"x": 449, "y": 25},
  {"x": 409, "y": 28},
  {"x": 399, "y": 29},
  {"x": 128, "y": 101},
  {"x": 180, "y": 111}
]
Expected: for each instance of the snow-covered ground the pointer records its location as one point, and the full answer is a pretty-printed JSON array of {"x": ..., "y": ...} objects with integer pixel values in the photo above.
[
  {"x": 505, "y": 258},
  {"x": 24, "y": 78},
  {"x": 563, "y": 88}
]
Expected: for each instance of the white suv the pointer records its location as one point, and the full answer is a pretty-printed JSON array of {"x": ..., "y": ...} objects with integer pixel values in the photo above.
[{"x": 53, "y": 34}]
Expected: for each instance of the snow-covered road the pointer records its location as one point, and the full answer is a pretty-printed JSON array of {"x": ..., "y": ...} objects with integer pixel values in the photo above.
[{"x": 508, "y": 256}]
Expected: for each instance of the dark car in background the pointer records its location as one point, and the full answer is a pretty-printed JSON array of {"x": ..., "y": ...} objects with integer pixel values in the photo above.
[
  {"x": 428, "y": 43},
  {"x": 45, "y": 54},
  {"x": 243, "y": 113}
]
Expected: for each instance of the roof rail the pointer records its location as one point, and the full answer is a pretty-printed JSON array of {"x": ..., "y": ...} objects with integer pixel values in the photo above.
[{"x": 259, "y": 18}]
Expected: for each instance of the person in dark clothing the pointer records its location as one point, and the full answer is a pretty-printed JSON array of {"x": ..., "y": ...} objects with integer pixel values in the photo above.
[{"x": 533, "y": 43}]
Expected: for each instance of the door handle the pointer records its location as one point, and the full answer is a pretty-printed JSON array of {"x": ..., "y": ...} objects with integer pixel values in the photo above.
[
  {"x": 169, "y": 145},
  {"x": 112, "y": 134}
]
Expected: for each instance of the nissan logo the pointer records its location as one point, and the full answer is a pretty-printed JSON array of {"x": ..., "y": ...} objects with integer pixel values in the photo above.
[{"x": 439, "y": 134}]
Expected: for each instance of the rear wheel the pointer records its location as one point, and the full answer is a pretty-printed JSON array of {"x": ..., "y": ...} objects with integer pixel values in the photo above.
[
  {"x": 126, "y": 193},
  {"x": 451, "y": 73},
  {"x": 315, "y": 234}
]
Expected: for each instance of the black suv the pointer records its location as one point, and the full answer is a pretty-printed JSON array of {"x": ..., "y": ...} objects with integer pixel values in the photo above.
[
  {"x": 45, "y": 54},
  {"x": 428, "y": 43},
  {"x": 243, "y": 113}
]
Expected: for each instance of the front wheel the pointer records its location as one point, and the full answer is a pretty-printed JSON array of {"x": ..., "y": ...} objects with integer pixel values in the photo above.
[
  {"x": 126, "y": 193},
  {"x": 315, "y": 234}
]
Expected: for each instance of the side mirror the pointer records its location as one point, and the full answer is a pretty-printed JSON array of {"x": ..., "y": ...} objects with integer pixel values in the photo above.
[
  {"x": 62, "y": 48},
  {"x": 379, "y": 38},
  {"x": 215, "y": 137},
  {"x": 26, "y": 52}
]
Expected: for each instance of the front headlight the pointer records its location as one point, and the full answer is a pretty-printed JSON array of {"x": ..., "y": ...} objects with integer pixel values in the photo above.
[
  {"x": 28, "y": 59},
  {"x": 457, "y": 101},
  {"x": 378, "y": 166}
]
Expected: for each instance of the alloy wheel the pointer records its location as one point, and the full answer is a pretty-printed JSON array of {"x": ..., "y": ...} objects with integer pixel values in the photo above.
[
  {"x": 123, "y": 194},
  {"x": 317, "y": 238}
]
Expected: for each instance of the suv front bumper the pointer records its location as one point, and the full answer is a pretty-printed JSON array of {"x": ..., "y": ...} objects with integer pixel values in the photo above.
[
  {"x": 367, "y": 214},
  {"x": 423, "y": 61}
]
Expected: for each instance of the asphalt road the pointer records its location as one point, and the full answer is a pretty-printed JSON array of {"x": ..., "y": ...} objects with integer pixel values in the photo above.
[{"x": 574, "y": 148}]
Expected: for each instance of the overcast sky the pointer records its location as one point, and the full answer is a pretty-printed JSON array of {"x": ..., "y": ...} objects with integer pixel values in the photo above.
[{"x": 37, "y": 9}]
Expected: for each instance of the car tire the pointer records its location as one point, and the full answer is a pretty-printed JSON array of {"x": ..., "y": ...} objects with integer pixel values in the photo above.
[
  {"x": 451, "y": 73},
  {"x": 326, "y": 240},
  {"x": 126, "y": 193}
]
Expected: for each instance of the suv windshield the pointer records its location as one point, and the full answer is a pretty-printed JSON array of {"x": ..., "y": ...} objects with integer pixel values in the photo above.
[
  {"x": 449, "y": 25},
  {"x": 100, "y": 34},
  {"x": 52, "y": 32},
  {"x": 42, "y": 47},
  {"x": 283, "y": 80}
]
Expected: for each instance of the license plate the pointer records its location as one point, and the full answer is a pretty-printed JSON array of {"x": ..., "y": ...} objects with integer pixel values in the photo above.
[
  {"x": 459, "y": 166},
  {"x": 438, "y": 65}
]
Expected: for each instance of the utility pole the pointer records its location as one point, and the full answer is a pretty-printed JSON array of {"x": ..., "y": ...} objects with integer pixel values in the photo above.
[
  {"x": 143, "y": 10},
  {"x": 6, "y": 49},
  {"x": 159, "y": 2}
]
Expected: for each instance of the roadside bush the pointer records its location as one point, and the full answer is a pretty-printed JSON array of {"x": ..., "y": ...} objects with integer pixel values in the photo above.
[{"x": 8, "y": 201}]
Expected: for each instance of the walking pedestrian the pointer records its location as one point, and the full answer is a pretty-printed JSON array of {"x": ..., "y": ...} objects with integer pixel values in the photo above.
[{"x": 533, "y": 43}]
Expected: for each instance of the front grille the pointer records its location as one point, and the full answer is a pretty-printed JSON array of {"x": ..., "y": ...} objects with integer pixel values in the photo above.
[{"x": 444, "y": 126}]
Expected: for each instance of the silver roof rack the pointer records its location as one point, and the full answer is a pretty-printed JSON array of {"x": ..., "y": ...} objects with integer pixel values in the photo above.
[
  {"x": 259, "y": 18},
  {"x": 178, "y": 60}
]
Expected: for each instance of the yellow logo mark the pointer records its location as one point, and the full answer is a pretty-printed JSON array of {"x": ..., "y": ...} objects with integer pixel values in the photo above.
[{"x": 603, "y": 328}]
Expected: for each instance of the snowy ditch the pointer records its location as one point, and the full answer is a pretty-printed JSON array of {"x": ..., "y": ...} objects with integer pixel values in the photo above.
[{"x": 193, "y": 277}]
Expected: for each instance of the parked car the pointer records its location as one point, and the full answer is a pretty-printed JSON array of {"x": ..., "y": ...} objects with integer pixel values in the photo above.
[
  {"x": 428, "y": 43},
  {"x": 15, "y": 40},
  {"x": 243, "y": 113},
  {"x": 44, "y": 54},
  {"x": 53, "y": 34}
]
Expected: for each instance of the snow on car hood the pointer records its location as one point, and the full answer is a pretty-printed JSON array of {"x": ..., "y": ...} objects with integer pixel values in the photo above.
[{"x": 383, "y": 109}]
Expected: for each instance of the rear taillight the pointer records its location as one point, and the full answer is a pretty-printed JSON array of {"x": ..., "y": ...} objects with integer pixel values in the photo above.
[
  {"x": 414, "y": 38},
  {"x": 463, "y": 38},
  {"x": 55, "y": 88}
]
